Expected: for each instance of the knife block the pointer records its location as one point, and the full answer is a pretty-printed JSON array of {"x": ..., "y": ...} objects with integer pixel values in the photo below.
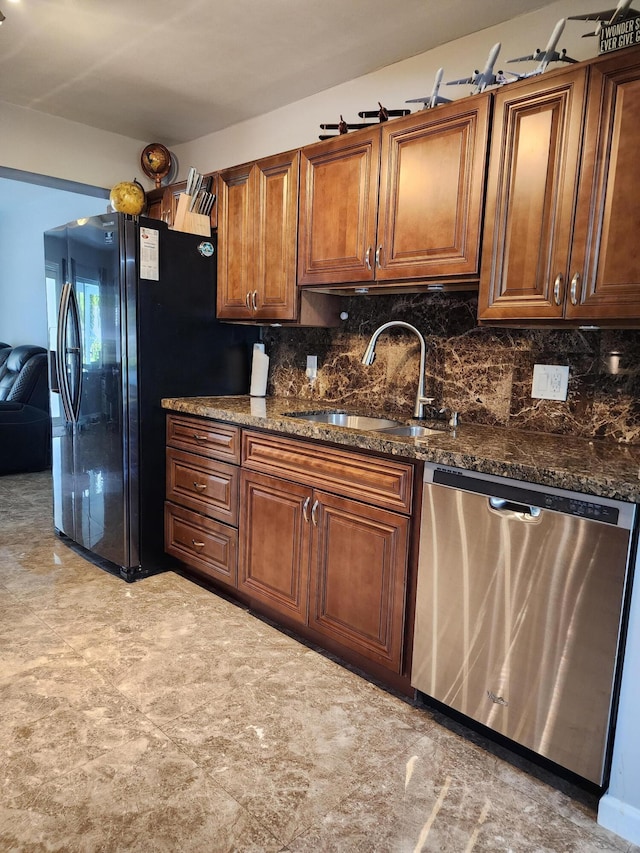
[{"x": 192, "y": 223}]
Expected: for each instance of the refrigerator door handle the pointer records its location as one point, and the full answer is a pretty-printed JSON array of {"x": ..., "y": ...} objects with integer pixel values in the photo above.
[
  {"x": 76, "y": 352},
  {"x": 60, "y": 354}
]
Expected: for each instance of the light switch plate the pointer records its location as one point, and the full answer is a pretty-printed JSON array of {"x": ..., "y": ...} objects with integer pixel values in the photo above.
[{"x": 550, "y": 381}]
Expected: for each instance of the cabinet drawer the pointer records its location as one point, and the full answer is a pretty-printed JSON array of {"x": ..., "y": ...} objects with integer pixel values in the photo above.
[
  {"x": 204, "y": 485},
  {"x": 201, "y": 543},
  {"x": 207, "y": 438},
  {"x": 371, "y": 479}
]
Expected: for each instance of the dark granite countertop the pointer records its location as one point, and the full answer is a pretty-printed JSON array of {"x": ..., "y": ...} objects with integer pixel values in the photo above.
[{"x": 594, "y": 467}]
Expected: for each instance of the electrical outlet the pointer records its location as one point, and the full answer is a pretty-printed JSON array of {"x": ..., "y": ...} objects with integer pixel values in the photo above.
[{"x": 550, "y": 382}]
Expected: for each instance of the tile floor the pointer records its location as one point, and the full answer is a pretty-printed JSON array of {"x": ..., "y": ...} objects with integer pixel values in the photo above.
[{"x": 157, "y": 717}]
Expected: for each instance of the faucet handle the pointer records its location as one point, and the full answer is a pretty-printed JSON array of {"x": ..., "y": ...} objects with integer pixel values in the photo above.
[{"x": 450, "y": 415}]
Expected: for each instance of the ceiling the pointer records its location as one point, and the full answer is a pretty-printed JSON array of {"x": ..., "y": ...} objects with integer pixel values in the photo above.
[{"x": 175, "y": 71}]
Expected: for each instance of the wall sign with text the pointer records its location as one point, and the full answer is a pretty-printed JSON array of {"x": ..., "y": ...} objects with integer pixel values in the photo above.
[{"x": 621, "y": 34}]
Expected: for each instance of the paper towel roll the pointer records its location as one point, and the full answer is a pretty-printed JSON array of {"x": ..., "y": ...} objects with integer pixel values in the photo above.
[
  {"x": 259, "y": 371},
  {"x": 258, "y": 407}
]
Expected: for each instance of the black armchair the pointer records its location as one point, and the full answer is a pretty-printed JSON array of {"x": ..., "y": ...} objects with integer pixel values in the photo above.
[{"x": 25, "y": 424}]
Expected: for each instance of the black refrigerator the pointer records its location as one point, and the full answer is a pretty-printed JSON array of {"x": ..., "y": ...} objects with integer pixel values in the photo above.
[{"x": 131, "y": 312}]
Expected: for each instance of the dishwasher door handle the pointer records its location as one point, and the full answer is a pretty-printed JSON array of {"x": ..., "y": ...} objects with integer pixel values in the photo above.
[{"x": 512, "y": 506}]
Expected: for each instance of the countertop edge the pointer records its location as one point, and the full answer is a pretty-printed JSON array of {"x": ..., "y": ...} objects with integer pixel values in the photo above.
[{"x": 594, "y": 467}]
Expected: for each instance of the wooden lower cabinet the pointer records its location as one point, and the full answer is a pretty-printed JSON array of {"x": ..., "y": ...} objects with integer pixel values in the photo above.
[
  {"x": 359, "y": 559},
  {"x": 274, "y": 546},
  {"x": 326, "y": 561},
  {"x": 315, "y": 534},
  {"x": 203, "y": 485},
  {"x": 202, "y": 543},
  {"x": 201, "y": 507}
]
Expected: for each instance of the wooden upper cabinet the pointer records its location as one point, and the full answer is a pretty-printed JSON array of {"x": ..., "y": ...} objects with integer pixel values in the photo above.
[
  {"x": 605, "y": 264},
  {"x": 257, "y": 220},
  {"x": 235, "y": 243},
  {"x": 432, "y": 192},
  {"x": 402, "y": 201},
  {"x": 276, "y": 218},
  {"x": 531, "y": 186},
  {"x": 170, "y": 201},
  {"x": 564, "y": 198},
  {"x": 163, "y": 203},
  {"x": 154, "y": 204},
  {"x": 338, "y": 209}
]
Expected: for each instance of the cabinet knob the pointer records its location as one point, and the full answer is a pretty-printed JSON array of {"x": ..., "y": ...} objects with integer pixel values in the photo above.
[
  {"x": 557, "y": 289},
  {"x": 199, "y": 487},
  {"x": 573, "y": 293}
]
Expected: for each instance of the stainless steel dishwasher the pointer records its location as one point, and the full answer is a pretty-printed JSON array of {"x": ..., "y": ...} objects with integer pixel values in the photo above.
[{"x": 518, "y": 613}]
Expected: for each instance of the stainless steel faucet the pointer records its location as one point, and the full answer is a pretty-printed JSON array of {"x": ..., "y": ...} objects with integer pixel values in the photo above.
[{"x": 369, "y": 355}]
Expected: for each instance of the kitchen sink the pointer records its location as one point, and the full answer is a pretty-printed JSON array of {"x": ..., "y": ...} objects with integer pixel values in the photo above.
[
  {"x": 411, "y": 431},
  {"x": 345, "y": 419}
]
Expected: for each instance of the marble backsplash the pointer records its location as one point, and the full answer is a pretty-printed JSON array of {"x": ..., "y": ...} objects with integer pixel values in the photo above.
[{"x": 483, "y": 373}]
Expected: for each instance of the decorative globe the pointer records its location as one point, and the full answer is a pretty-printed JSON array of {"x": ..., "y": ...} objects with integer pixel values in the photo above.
[
  {"x": 128, "y": 197},
  {"x": 156, "y": 162}
]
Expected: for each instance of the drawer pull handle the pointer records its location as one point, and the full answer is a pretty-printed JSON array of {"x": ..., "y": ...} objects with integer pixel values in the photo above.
[
  {"x": 378, "y": 254},
  {"x": 197, "y": 544},
  {"x": 367, "y": 259},
  {"x": 254, "y": 300},
  {"x": 199, "y": 437},
  {"x": 199, "y": 487},
  {"x": 247, "y": 299},
  {"x": 314, "y": 513},
  {"x": 305, "y": 507}
]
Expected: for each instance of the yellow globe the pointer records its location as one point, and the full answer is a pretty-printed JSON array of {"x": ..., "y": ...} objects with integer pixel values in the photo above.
[{"x": 128, "y": 197}]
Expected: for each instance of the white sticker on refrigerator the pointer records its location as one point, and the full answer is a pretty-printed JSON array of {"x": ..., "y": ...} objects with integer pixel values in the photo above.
[{"x": 149, "y": 254}]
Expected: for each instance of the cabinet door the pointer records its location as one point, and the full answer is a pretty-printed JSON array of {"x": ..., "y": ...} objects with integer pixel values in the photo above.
[
  {"x": 358, "y": 577},
  {"x": 338, "y": 209},
  {"x": 274, "y": 545},
  {"x": 154, "y": 204},
  {"x": 432, "y": 191},
  {"x": 275, "y": 188},
  {"x": 530, "y": 199},
  {"x": 605, "y": 263},
  {"x": 170, "y": 201},
  {"x": 235, "y": 241}
]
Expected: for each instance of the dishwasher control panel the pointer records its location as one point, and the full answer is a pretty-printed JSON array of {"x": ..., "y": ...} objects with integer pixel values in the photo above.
[{"x": 530, "y": 494}]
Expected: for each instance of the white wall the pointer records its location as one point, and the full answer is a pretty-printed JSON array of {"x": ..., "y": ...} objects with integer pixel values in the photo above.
[
  {"x": 619, "y": 809},
  {"x": 26, "y": 212},
  {"x": 35, "y": 142},
  {"x": 47, "y": 145},
  {"x": 298, "y": 124}
]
